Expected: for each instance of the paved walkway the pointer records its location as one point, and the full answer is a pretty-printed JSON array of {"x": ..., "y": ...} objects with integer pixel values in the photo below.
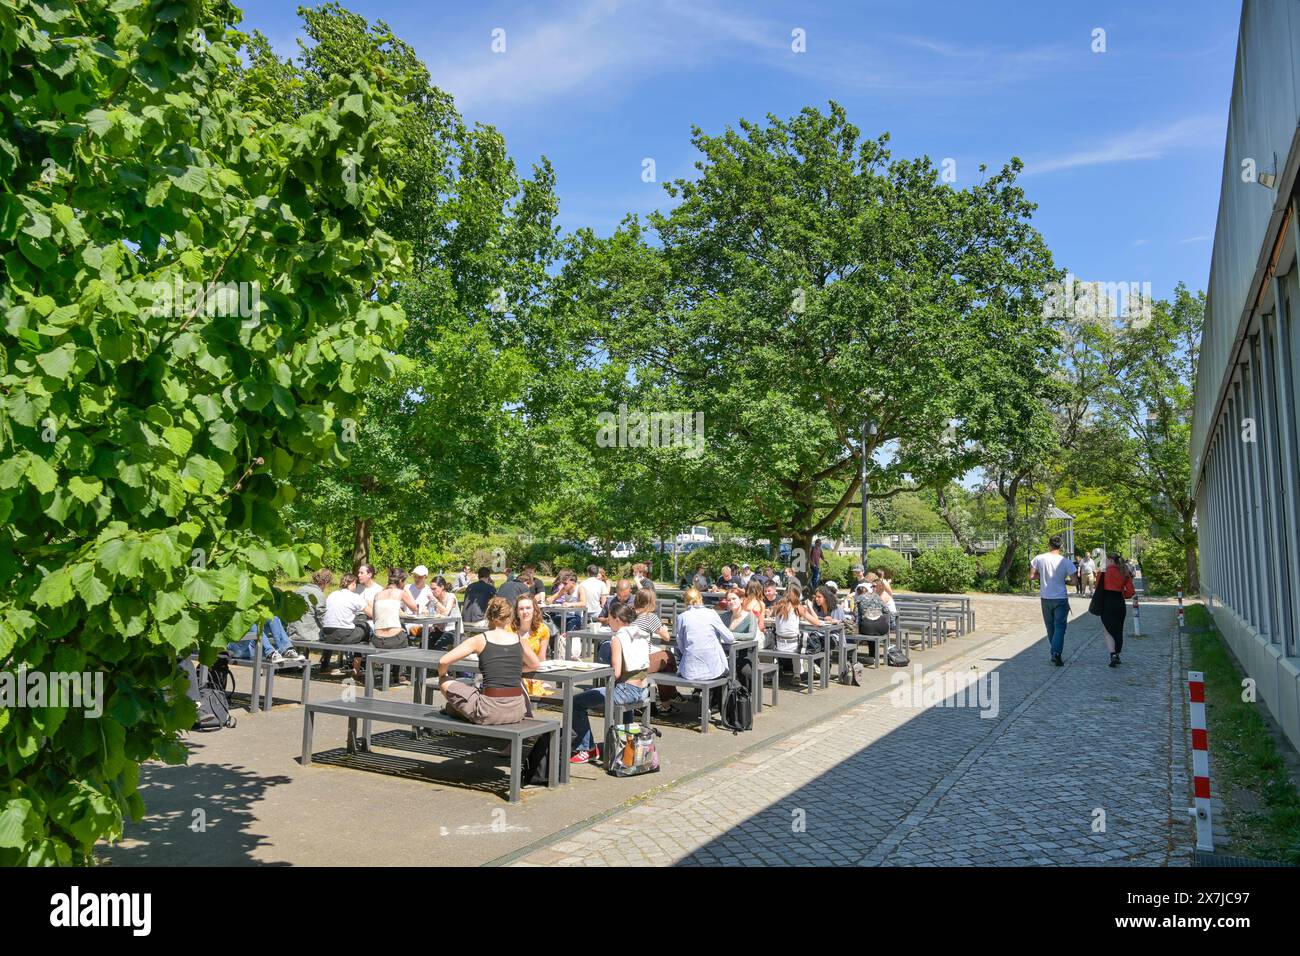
[{"x": 1082, "y": 764}]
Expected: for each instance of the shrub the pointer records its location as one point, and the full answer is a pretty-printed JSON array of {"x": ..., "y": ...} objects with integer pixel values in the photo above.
[
  {"x": 1164, "y": 566},
  {"x": 946, "y": 570}
]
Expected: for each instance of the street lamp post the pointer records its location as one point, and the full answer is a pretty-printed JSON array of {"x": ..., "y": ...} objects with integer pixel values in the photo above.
[{"x": 868, "y": 431}]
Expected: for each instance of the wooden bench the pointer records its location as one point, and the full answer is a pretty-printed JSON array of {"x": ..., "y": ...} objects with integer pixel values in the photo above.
[
  {"x": 422, "y": 716},
  {"x": 703, "y": 686}
]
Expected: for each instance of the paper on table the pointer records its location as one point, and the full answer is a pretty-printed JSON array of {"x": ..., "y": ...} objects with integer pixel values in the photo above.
[{"x": 553, "y": 665}]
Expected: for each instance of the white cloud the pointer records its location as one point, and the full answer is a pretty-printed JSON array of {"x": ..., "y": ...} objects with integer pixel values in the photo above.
[
  {"x": 1145, "y": 143},
  {"x": 1182, "y": 242}
]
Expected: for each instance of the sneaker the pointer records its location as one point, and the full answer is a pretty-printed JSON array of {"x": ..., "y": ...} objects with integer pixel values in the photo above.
[
  {"x": 1056, "y": 659},
  {"x": 582, "y": 756},
  {"x": 292, "y": 655},
  {"x": 339, "y": 672},
  {"x": 1114, "y": 659},
  {"x": 275, "y": 657},
  {"x": 1117, "y": 660}
]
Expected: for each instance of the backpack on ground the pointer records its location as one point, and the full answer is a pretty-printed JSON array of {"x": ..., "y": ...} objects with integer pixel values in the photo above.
[
  {"x": 897, "y": 657},
  {"x": 630, "y": 750},
  {"x": 215, "y": 685},
  {"x": 853, "y": 674},
  {"x": 737, "y": 708},
  {"x": 537, "y": 765}
]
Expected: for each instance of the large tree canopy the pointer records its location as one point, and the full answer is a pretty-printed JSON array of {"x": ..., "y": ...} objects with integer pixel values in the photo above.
[
  {"x": 806, "y": 282},
  {"x": 149, "y": 442}
]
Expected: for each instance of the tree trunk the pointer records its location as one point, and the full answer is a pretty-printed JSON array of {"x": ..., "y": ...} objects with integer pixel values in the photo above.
[
  {"x": 1193, "y": 570},
  {"x": 798, "y": 540},
  {"x": 953, "y": 520},
  {"x": 360, "y": 543},
  {"x": 1013, "y": 540}
]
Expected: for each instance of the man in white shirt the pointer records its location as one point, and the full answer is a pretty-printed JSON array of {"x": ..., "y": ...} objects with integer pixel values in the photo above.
[
  {"x": 420, "y": 593},
  {"x": 1054, "y": 572},
  {"x": 1089, "y": 570},
  {"x": 592, "y": 592}
]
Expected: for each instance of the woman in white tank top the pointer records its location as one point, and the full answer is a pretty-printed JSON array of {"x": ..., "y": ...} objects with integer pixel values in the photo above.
[{"x": 387, "y": 610}]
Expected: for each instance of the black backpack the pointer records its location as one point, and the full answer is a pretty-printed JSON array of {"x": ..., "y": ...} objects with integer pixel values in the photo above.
[
  {"x": 897, "y": 657},
  {"x": 214, "y": 686},
  {"x": 537, "y": 765},
  {"x": 737, "y": 708}
]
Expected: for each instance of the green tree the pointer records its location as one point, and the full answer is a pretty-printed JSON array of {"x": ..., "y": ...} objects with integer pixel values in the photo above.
[
  {"x": 807, "y": 281},
  {"x": 1137, "y": 435},
  {"x": 149, "y": 442},
  {"x": 446, "y": 445}
]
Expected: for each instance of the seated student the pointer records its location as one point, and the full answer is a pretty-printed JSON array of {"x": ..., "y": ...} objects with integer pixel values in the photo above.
[
  {"x": 530, "y": 626},
  {"x": 307, "y": 627},
  {"x": 477, "y": 596},
  {"x": 512, "y": 588},
  {"x": 462, "y": 579},
  {"x": 564, "y": 593},
  {"x": 276, "y": 646},
  {"x": 534, "y": 584},
  {"x": 342, "y": 623},
  {"x": 387, "y": 613},
  {"x": 502, "y": 659},
  {"x": 421, "y": 593},
  {"x": 630, "y": 658},
  {"x": 755, "y": 605},
  {"x": 870, "y": 610},
  {"x": 746, "y": 576},
  {"x": 771, "y": 595},
  {"x": 883, "y": 584},
  {"x": 786, "y": 614},
  {"x": 701, "y": 637},
  {"x": 622, "y": 596},
  {"x": 825, "y": 607},
  {"x": 744, "y": 625},
  {"x": 442, "y": 603},
  {"x": 725, "y": 580},
  {"x": 700, "y": 581},
  {"x": 641, "y": 576},
  {"x": 738, "y": 620}
]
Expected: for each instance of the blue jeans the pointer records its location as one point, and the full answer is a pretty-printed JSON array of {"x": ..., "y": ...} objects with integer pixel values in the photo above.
[
  {"x": 1056, "y": 613},
  {"x": 626, "y": 694},
  {"x": 814, "y": 577},
  {"x": 274, "y": 637}
]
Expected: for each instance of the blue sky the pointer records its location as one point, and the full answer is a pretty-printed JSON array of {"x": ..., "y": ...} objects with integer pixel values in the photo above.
[{"x": 1123, "y": 148}]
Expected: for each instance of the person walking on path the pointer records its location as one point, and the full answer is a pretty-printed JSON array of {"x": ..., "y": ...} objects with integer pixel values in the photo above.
[
  {"x": 1054, "y": 572},
  {"x": 814, "y": 566},
  {"x": 1116, "y": 585}
]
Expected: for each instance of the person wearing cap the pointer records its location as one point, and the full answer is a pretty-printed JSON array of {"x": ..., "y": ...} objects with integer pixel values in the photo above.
[
  {"x": 859, "y": 575},
  {"x": 421, "y": 594},
  {"x": 746, "y": 575}
]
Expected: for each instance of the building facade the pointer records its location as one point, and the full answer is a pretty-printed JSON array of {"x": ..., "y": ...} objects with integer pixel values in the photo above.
[{"x": 1245, "y": 452}]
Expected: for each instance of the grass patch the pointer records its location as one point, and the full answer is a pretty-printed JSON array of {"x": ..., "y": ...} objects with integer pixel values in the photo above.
[{"x": 1247, "y": 771}]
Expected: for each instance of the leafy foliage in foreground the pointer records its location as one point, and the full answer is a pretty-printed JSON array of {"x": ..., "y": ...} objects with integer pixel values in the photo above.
[{"x": 148, "y": 445}]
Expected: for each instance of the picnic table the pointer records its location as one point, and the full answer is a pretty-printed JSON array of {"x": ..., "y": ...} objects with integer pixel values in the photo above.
[
  {"x": 564, "y": 611},
  {"x": 567, "y": 678}
]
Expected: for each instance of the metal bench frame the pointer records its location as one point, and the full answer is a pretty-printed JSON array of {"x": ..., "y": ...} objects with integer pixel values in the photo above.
[{"x": 419, "y": 715}]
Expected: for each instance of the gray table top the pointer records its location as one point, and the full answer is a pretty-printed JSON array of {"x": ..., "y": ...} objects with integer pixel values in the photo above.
[{"x": 414, "y": 657}]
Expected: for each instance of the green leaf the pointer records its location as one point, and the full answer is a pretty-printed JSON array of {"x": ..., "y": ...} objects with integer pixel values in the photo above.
[
  {"x": 92, "y": 590},
  {"x": 55, "y": 589},
  {"x": 85, "y": 490},
  {"x": 19, "y": 825}
]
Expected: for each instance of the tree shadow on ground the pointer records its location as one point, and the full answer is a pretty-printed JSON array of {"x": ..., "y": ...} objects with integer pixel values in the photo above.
[{"x": 201, "y": 813}]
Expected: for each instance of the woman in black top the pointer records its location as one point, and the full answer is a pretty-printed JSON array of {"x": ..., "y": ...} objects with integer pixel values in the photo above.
[{"x": 502, "y": 659}]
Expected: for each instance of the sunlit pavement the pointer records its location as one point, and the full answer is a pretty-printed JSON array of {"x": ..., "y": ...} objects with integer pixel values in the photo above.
[{"x": 1082, "y": 765}]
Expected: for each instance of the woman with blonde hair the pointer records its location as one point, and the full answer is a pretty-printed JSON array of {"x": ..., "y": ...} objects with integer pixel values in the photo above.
[
  {"x": 502, "y": 659},
  {"x": 534, "y": 632},
  {"x": 753, "y": 603}
]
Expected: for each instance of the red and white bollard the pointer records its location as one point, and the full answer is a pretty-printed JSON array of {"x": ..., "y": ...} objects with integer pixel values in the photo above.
[
  {"x": 1200, "y": 763},
  {"x": 1182, "y": 624},
  {"x": 1137, "y": 618}
]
